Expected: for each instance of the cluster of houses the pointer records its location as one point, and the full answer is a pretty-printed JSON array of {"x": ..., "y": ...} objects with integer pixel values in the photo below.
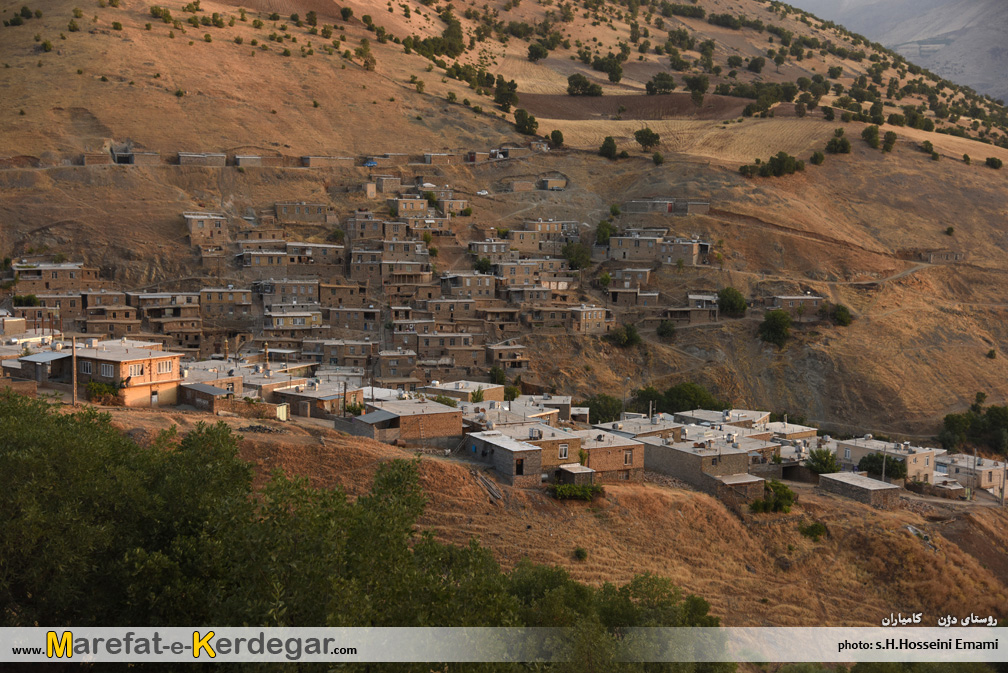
[{"x": 527, "y": 440}]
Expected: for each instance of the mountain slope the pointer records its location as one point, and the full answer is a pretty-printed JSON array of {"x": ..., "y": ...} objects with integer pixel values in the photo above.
[{"x": 962, "y": 40}]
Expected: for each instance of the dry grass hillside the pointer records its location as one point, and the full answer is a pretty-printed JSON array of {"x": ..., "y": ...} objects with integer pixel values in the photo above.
[
  {"x": 754, "y": 571},
  {"x": 845, "y": 229}
]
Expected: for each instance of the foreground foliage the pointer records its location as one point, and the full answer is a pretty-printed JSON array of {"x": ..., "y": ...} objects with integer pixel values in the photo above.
[{"x": 101, "y": 532}]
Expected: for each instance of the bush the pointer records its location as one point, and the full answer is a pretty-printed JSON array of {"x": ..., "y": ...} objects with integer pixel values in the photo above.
[
  {"x": 578, "y": 255},
  {"x": 871, "y": 136},
  {"x": 525, "y": 123},
  {"x": 646, "y": 138},
  {"x": 625, "y": 336},
  {"x": 966, "y": 159},
  {"x": 658, "y": 159},
  {"x": 994, "y": 162},
  {"x": 817, "y": 158},
  {"x": 814, "y": 530},
  {"x": 604, "y": 231},
  {"x": 666, "y": 329},
  {"x": 776, "y": 498},
  {"x": 776, "y": 328},
  {"x": 949, "y": 230},
  {"x": 838, "y": 145},
  {"x": 992, "y": 354},
  {"x": 100, "y": 392},
  {"x": 608, "y": 149},
  {"x": 580, "y": 553},
  {"x": 586, "y": 492},
  {"x": 445, "y": 400}
]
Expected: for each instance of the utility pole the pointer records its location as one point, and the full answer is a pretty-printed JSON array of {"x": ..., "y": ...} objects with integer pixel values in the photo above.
[{"x": 73, "y": 350}]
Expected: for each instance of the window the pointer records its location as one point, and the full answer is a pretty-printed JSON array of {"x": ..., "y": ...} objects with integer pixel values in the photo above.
[
  {"x": 85, "y": 367},
  {"x": 628, "y": 457},
  {"x": 107, "y": 370},
  {"x": 846, "y": 454},
  {"x": 563, "y": 451},
  {"x": 165, "y": 366},
  {"x": 136, "y": 370}
]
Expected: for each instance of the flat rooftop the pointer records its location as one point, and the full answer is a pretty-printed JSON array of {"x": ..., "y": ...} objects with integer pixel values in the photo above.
[
  {"x": 412, "y": 407},
  {"x": 464, "y": 386},
  {"x": 779, "y": 428},
  {"x": 503, "y": 441},
  {"x": 636, "y": 426},
  {"x": 596, "y": 439},
  {"x": 858, "y": 480},
  {"x": 735, "y": 479},
  {"x": 544, "y": 432},
  {"x": 881, "y": 446}
]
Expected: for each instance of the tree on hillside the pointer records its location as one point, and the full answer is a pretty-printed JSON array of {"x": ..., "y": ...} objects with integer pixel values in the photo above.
[
  {"x": 731, "y": 302},
  {"x": 483, "y": 265},
  {"x": 537, "y": 52},
  {"x": 697, "y": 85},
  {"x": 688, "y": 395},
  {"x": 624, "y": 336},
  {"x": 646, "y": 138},
  {"x": 497, "y": 376},
  {"x": 660, "y": 83},
  {"x": 363, "y": 52},
  {"x": 579, "y": 85},
  {"x": 870, "y": 135},
  {"x": 756, "y": 64},
  {"x": 525, "y": 123},
  {"x": 556, "y": 139},
  {"x": 776, "y": 327},
  {"x": 608, "y": 149},
  {"x": 505, "y": 93},
  {"x": 822, "y": 461}
]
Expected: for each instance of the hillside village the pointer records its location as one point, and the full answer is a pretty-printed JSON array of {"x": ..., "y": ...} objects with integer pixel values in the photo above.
[{"x": 364, "y": 333}]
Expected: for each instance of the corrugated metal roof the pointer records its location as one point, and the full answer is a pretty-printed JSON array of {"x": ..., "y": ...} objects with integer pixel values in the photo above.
[{"x": 206, "y": 389}]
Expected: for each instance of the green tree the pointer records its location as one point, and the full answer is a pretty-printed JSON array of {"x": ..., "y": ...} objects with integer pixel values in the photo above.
[
  {"x": 687, "y": 396},
  {"x": 822, "y": 461},
  {"x": 658, "y": 158},
  {"x": 579, "y": 85},
  {"x": 537, "y": 52},
  {"x": 872, "y": 464},
  {"x": 604, "y": 231},
  {"x": 871, "y": 136},
  {"x": 556, "y": 139},
  {"x": 625, "y": 336},
  {"x": 603, "y": 408},
  {"x": 994, "y": 162},
  {"x": 506, "y": 94},
  {"x": 477, "y": 395},
  {"x": 666, "y": 329},
  {"x": 312, "y": 18},
  {"x": 608, "y": 149},
  {"x": 497, "y": 376},
  {"x": 731, "y": 302},
  {"x": 578, "y": 255},
  {"x": 605, "y": 280},
  {"x": 483, "y": 265},
  {"x": 660, "y": 83},
  {"x": 776, "y": 327},
  {"x": 646, "y": 138},
  {"x": 525, "y": 123}
]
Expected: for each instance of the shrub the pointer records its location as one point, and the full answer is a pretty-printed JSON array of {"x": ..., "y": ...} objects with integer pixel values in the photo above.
[
  {"x": 608, "y": 149},
  {"x": 445, "y": 400},
  {"x": 586, "y": 492},
  {"x": 556, "y": 139},
  {"x": 966, "y": 159},
  {"x": 47, "y": 46},
  {"x": 580, "y": 553},
  {"x": 949, "y": 230},
  {"x": 646, "y": 138},
  {"x": 777, "y": 497},
  {"x": 207, "y": 38},
  {"x": 994, "y": 162},
  {"x": 666, "y": 329},
  {"x": 179, "y": 92},
  {"x": 116, "y": 25},
  {"x": 871, "y": 136},
  {"x": 838, "y": 145},
  {"x": 992, "y": 354},
  {"x": 625, "y": 336},
  {"x": 658, "y": 159},
  {"x": 100, "y": 392},
  {"x": 817, "y": 158},
  {"x": 72, "y": 26},
  {"x": 814, "y": 530}
]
